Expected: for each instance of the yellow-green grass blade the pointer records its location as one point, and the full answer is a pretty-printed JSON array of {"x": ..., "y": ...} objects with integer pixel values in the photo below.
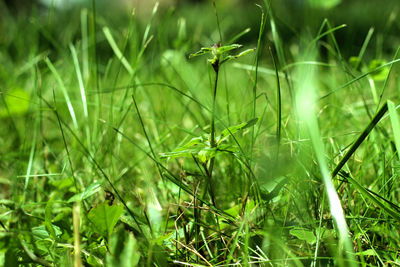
[
  {"x": 394, "y": 119},
  {"x": 82, "y": 90},
  {"x": 306, "y": 105}
]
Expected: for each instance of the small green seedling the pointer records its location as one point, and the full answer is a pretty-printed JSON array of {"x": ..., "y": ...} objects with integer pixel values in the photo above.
[{"x": 218, "y": 53}]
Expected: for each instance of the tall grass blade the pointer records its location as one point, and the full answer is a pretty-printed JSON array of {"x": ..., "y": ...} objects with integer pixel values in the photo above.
[
  {"x": 82, "y": 91},
  {"x": 31, "y": 158},
  {"x": 278, "y": 102},
  {"x": 255, "y": 82},
  {"x": 85, "y": 44},
  {"x": 116, "y": 50},
  {"x": 305, "y": 105},
  {"x": 64, "y": 91},
  {"x": 387, "y": 78},
  {"x": 364, "y": 46},
  {"x": 359, "y": 78},
  {"x": 394, "y": 119}
]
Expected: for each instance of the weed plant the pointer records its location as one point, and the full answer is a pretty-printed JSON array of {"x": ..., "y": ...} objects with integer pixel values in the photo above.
[{"x": 123, "y": 146}]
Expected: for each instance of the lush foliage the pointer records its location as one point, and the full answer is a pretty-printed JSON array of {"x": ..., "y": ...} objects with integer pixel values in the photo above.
[{"x": 121, "y": 145}]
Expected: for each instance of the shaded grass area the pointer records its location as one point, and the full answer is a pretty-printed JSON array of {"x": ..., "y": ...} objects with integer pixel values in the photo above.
[{"x": 118, "y": 149}]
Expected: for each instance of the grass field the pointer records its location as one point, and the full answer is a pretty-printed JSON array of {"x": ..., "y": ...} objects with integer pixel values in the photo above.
[{"x": 197, "y": 136}]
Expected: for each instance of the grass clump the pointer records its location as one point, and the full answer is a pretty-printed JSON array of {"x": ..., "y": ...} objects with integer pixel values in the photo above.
[{"x": 121, "y": 146}]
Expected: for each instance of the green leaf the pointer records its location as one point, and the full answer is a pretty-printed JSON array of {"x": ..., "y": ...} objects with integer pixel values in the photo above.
[
  {"x": 233, "y": 129},
  {"x": 40, "y": 232},
  {"x": 245, "y": 52},
  {"x": 200, "y": 146},
  {"x": 304, "y": 234},
  {"x": 203, "y": 50},
  {"x": 227, "y": 48},
  {"x": 104, "y": 218},
  {"x": 368, "y": 252},
  {"x": 89, "y": 191},
  {"x": 381, "y": 71},
  {"x": 193, "y": 147},
  {"x": 17, "y": 103}
]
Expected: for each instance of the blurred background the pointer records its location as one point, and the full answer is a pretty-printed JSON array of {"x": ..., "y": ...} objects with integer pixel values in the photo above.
[{"x": 292, "y": 16}]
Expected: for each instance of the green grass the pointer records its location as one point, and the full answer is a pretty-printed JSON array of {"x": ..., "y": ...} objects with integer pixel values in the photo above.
[{"x": 118, "y": 148}]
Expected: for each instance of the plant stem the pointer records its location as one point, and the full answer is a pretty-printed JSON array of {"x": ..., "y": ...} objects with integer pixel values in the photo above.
[
  {"x": 212, "y": 134},
  {"x": 212, "y": 141}
]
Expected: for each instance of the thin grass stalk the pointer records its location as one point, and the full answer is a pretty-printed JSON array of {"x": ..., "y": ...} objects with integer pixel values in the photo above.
[
  {"x": 387, "y": 77},
  {"x": 95, "y": 70},
  {"x": 360, "y": 139},
  {"x": 85, "y": 44},
  {"x": 212, "y": 136},
  {"x": 278, "y": 103},
  {"x": 31, "y": 158},
  {"x": 218, "y": 25},
  {"x": 258, "y": 55},
  {"x": 82, "y": 91},
  {"x": 65, "y": 143}
]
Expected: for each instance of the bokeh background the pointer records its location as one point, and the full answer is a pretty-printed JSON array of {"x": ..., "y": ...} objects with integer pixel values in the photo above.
[{"x": 293, "y": 16}]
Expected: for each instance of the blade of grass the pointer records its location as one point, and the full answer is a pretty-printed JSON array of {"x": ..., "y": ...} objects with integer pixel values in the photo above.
[
  {"x": 65, "y": 143},
  {"x": 278, "y": 102},
  {"x": 387, "y": 77},
  {"x": 217, "y": 18},
  {"x": 95, "y": 69},
  {"x": 238, "y": 36},
  {"x": 364, "y": 46},
  {"x": 146, "y": 135},
  {"x": 148, "y": 26},
  {"x": 393, "y": 213},
  {"x": 82, "y": 91},
  {"x": 255, "y": 79},
  {"x": 64, "y": 91},
  {"x": 394, "y": 119},
  {"x": 31, "y": 158},
  {"x": 328, "y": 32},
  {"x": 360, "y": 139},
  {"x": 117, "y": 51},
  {"x": 305, "y": 106},
  {"x": 358, "y": 78},
  {"x": 85, "y": 45}
]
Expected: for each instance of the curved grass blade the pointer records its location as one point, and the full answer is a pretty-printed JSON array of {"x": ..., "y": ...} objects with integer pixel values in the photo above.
[
  {"x": 359, "y": 78},
  {"x": 63, "y": 90},
  {"x": 305, "y": 106}
]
